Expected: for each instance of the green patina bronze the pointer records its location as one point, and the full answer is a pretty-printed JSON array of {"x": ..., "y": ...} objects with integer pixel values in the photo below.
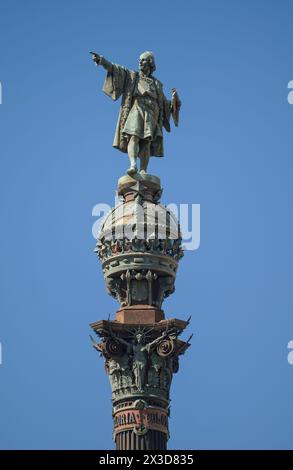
[{"x": 144, "y": 110}]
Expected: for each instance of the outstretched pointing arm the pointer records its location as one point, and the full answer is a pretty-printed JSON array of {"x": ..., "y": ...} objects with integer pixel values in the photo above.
[
  {"x": 116, "y": 79},
  {"x": 100, "y": 60}
]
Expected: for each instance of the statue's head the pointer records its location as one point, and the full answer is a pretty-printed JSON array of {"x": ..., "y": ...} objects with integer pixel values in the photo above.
[
  {"x": 147, "y": 62},
  {"x": 139, "y": 338}
]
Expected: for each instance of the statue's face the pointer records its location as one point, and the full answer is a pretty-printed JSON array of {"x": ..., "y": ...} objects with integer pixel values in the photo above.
[
  {"x": 139, "y": 338},
  {"x": 145, "y": 64}
]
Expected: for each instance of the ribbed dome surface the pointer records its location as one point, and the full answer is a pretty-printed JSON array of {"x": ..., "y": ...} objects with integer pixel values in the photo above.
[{"x": 145, "y": 221}]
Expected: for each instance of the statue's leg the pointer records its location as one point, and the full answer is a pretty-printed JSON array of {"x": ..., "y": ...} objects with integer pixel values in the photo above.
[
  {"x": 144, "y": 161},
  {"x": 144, "y": 154},
  {"x": 133, "y": 149}
]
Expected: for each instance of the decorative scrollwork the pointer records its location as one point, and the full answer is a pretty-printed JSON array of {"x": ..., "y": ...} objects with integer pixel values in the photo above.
[
  {"x": 106, "y": 248},
  {"x": 113, "y": 348},
  {"x": 166, "y": 347}
]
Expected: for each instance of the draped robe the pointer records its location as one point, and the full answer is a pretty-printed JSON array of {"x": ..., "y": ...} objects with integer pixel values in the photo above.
[{"x": 123, "y": 82}]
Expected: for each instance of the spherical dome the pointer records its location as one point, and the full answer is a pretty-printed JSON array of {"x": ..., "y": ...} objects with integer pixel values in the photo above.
[
  {"x": 139, "y": 245},
  {"x": 147, "y": 221}
]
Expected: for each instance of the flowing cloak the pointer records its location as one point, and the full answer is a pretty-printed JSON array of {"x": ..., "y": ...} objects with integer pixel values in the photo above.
[{"x": 121, "y": 81}]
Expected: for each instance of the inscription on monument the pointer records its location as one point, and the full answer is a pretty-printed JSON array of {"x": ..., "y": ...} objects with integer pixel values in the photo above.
[{"x": 149, "y": 419}]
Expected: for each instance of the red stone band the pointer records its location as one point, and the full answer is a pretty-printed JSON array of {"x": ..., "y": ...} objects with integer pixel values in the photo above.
[{"x": 152, "y": 418}]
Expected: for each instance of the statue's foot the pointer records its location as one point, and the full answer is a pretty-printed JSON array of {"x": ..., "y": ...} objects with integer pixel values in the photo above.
[
  {"x": 132, "y": 170},
  {"x": 143, "y": 172}
]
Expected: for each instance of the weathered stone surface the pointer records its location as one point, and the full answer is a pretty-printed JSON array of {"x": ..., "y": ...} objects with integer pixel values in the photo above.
[
  {"x": 145, "y": 314},
  {"x": 139, "y": 245},
  {"x": 140, "y": 359},
  {"x": 148, "y": 186}
]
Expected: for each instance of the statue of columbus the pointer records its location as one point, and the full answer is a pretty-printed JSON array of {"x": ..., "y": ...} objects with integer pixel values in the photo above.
[{"x": 144, "y": 110}]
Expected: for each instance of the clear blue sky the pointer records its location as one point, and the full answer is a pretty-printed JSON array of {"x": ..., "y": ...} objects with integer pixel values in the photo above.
[{"x": 231, "y": 62}]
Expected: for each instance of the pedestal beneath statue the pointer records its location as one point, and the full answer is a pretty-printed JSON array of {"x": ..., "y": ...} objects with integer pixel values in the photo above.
[{"x": 149, "y": 186}]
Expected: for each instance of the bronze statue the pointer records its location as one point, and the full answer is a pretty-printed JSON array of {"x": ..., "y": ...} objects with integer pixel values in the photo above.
[
  {"x": 139, "y": 351},
  {"x": 144, "y": 109}
]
